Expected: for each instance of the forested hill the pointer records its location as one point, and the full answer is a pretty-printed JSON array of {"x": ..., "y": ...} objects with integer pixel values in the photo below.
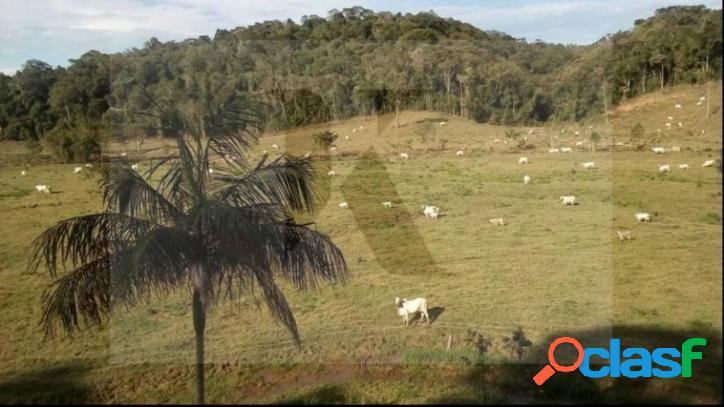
[{"x": 356, "y": 61}]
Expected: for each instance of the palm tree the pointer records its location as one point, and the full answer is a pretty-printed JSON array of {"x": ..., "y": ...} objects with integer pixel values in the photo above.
[{"x": 226, "y": 231}]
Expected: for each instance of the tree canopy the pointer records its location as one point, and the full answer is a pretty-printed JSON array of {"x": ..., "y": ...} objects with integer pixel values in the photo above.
[{"x": 355, "y": 61}]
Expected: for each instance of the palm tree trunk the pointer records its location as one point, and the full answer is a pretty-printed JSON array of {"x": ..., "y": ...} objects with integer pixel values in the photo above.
[{"x": 199, "y": 315}]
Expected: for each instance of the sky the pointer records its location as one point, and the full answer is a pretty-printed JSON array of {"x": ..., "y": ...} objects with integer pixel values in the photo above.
[{"x": 57, "y": 30}]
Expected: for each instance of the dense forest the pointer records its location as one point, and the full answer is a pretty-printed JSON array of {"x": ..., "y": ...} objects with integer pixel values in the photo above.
[{"x": 355, "y": 62}]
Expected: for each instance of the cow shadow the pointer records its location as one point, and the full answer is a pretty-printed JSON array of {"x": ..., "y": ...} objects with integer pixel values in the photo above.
[{"x": 434, "y": 313}]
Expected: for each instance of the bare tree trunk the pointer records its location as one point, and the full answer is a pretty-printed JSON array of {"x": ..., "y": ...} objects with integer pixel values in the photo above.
[
  {"x": 199, "y": 316},
  {"x": 662, "y": 76},
  {"x": 708, "y": 96},
  {"x": 605, "y": 102},
  {"x": 643, "y": 83},
  {"x": 397, "y": 111}
]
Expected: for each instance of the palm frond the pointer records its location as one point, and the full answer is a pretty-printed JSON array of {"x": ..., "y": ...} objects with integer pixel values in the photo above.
[
  {"x": 82, "y": 295},
  {"x": 306, "y": 257},
  {"x": 155, "y": 264},
  {"x": 276, "y": 303},
  {"x": 83, "y": 239},
  {"x": 286, "y": 181},
  {"x": 127, "y": 192}
]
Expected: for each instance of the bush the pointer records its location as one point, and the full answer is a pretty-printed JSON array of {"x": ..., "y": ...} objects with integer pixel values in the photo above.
[
  {"x": 324, "y": 138},
  {"x": 76, "y": 144},
  {"x": 637, "y": 131}
]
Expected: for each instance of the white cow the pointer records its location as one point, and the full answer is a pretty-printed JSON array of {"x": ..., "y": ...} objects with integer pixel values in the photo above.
[
  {"x": 671, "y": 119},
  {"x": 658, "y": 150},
  {"x": 683, "y": 166},
  {"x": 642, "y": 217},
  {"x": 579, "y": 143},
  {"x": 346, "y": 137},
  {"x": 526, "y": 179},
  {"x": 497, "y": 221},
  {"x": 274, "y": 146},
  {"x": 89, "y": 165},
  {"x": 676, "y": 149},
  {"x": 681, "y": 125},
  {"x": 566, "y": 150},
  {"x": 554, "y": 150},
  {"x": 331, "y": 173},
  {"x": 443, "y": 123},
  {"x": 43, "y": 188},
  {"x": 623, "y": 235},
  {"x": 568, "y": 200},
  {"x": 77, "y": 170},
  {"x": 523, "y": 160},
  {"x": 459, "y": 153},
  {"x": 677, "y": 106},
  {"x": 404, "y": 156},
  {"x": 665, "y": 168},
  {"x": 589, "y": 165},
  {"x": 134, "y": 167},
  {"x": 22, "y": 173},
  {"x": 387, "y": 204},
  {"x": 431, "y": 212},
  {"x": 343, "y": 205},
  {"x": 708, "y": 163},
  {"x": 406, "y": 308}
]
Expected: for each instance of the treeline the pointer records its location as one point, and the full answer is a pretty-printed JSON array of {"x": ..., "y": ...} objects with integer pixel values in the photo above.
[{"x": 356, "y": 62}]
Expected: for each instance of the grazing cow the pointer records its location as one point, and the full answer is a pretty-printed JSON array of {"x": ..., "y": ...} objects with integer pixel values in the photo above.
[
  {"x": 459, "y": 153},
  {"x": 665, "y": 168},
  {"x": 343, "y": 205},
  {"x": 566, "y": 150},
  {"x": 708, "y": 163},
  {"x": 677, "y": 106},
  {"x": 331, "y": 173},
  {"x": 406, "y": 308},
  {"x": 431, "y": 212},
  {"x": 526, "y": 179},
  {"x": 497, "y": 221},
  {"x": 77, "y": 170},
  {"x": 43, "y": 188},
  {"x": 554, "y": 150},
  {"x": 387, "y": 204},
  {"x": 523, "y": 160},
  {"x": 683, "y": 166},
  {"x": 642, "y": 217},
  {"x": 274, "y": 146},
  {"x": 404, "y": 156},
  {"x": 568, "y": 200},
  {"x": 658, "y": 150},
  {"x": 623, "y": 235}
]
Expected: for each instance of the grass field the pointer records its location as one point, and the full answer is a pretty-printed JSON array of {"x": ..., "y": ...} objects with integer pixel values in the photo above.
[{"x": 552, "y": 270}]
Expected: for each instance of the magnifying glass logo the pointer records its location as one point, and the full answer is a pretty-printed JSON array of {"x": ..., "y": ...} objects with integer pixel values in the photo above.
[{"x": 548, "y": 369}]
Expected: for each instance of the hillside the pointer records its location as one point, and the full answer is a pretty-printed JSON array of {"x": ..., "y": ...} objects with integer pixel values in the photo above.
[
  {"x": 356, "y": 62},
  {"x": 551, "y": 270}
]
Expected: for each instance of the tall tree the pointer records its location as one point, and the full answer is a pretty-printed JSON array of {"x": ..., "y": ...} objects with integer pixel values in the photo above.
[{"x": 227, "y": 231}]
